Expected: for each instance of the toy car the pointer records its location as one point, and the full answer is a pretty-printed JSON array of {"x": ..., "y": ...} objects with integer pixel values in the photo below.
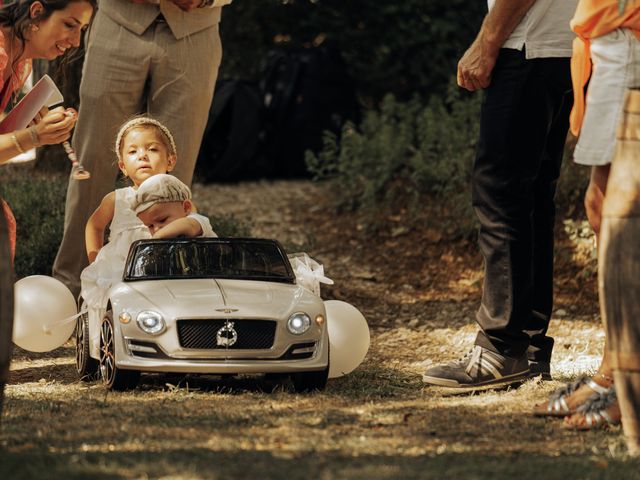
[{"x": 209, "y": 306}]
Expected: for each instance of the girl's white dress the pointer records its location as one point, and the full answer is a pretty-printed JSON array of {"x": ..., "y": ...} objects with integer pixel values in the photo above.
[{"x": 108, "y": 266}]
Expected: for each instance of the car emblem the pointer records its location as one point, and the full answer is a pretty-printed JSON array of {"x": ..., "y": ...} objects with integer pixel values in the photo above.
[
  {"x": 226, "y": 310},
  {"x": 226, "y": 336}
]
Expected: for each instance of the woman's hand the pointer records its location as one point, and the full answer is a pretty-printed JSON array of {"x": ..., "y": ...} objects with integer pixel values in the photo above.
[
  {"x": 36, "y": 120},
  {"x": 55, "y": 126}
]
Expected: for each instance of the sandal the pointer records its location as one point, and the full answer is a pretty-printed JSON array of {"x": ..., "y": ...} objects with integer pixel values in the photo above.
[
  {"x": 600, "y": 411},
  {"x": 557, "y": 405}
]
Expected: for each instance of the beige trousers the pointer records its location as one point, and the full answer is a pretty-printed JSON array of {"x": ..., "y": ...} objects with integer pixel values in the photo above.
[{"x": 125, "y": 74}]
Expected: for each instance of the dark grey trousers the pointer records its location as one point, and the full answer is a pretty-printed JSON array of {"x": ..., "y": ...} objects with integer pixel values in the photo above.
[{"x": 524, "y": 123}]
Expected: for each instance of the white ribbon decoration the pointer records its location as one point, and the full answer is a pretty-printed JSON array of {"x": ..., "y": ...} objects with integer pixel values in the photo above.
[
  {"x": 309, "y": 273},
  {"x": 47, "y": 328}
]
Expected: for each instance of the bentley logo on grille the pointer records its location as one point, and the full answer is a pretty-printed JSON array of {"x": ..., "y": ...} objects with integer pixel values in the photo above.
[
  {"x": 227, "y": 335},
  {"x": 226, "y": 310}
]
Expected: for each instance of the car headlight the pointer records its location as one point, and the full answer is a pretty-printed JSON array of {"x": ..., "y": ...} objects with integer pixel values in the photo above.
[
  {"x": 298, "y": 323},
  {"x": 151, "y": 322}
]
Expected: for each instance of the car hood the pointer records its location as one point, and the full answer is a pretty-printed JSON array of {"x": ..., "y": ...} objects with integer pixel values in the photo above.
[{"x": 212, "y": 298}]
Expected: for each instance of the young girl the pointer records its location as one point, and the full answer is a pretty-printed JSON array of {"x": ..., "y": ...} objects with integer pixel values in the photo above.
[{"x": 145, "y": 148}]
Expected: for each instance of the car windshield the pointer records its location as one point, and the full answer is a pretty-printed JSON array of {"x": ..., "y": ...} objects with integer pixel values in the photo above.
[{"x": 248, "y": 259}]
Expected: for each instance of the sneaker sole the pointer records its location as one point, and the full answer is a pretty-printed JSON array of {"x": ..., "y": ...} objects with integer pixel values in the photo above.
[{"x": 443, "y": 382}]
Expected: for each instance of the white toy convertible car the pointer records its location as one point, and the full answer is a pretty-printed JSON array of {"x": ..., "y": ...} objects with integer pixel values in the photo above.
[{"x": 206, "y": 305}]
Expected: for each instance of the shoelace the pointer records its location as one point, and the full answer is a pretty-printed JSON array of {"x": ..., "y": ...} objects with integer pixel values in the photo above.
[
  {"x": 464, "y": 359},
  {"x": 476, "y": 353}
]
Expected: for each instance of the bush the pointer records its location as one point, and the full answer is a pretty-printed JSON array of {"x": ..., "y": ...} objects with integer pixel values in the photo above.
[
  {"x": 37, "y": 202},
  {"x": 230, "y": 226},
  {"x": 408, "y": 154},
  {"x": 402, "y": 153}
]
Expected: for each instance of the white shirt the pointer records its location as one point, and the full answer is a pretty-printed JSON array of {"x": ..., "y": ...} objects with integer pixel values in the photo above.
[{"x": 544, "y": 30}]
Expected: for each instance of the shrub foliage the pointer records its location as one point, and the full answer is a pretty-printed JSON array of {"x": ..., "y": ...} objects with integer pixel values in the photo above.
[{"x": 403, "y": 152}]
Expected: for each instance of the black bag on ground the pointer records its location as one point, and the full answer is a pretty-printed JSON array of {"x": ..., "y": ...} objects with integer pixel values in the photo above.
[
  {"x": 305, "y": 91},
  {"x": 230, "y": 148}
]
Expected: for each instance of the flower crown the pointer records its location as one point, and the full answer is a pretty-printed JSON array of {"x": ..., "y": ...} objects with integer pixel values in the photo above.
[{"x": 143, "y": 122}]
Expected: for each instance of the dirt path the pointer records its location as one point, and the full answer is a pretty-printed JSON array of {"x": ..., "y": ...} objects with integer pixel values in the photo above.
[{"x": 419, "y": 294}]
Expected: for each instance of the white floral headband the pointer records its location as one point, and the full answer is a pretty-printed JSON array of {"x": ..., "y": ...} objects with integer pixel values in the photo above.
[{"x": 142, "y": 122}]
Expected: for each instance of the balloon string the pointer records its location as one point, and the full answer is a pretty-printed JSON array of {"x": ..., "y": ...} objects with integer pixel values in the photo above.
[{"x": 64, "y": 321}]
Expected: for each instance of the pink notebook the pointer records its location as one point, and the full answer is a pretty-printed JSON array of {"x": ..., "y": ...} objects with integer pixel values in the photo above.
[{"x": 43, "y": 94}]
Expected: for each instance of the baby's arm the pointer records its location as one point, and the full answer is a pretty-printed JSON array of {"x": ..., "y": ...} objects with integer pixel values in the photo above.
[
  {"x": 97, "y": 223},
  {"x": 182, "y": 227}
]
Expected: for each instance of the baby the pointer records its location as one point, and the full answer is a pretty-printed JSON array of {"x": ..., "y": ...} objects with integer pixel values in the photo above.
[{"x": 163, "y": 203}]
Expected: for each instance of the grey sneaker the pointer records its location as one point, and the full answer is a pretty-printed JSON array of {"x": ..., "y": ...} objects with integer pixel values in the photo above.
[{"x": 478, "y": 368}]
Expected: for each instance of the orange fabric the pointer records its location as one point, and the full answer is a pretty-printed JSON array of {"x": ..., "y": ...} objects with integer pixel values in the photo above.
[
  {"x": 11, "y": 226},
  {"x": 18, "y": 76},
  {"x": 594, "y": 18}
]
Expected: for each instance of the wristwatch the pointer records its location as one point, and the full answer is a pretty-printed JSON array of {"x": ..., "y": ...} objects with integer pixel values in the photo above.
[{"x": 205, "y": 3}]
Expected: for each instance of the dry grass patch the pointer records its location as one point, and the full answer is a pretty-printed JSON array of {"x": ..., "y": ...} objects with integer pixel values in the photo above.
[{"x": 378, "y": 422}]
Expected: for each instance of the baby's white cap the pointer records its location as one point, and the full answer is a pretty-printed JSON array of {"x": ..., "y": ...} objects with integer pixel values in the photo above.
[{"x": 160, "y": 188}]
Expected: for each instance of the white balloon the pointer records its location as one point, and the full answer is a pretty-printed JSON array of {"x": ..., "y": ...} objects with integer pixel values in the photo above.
[
  {"x": 44, "y": 313},
  {"x": 348, "y": 337}
]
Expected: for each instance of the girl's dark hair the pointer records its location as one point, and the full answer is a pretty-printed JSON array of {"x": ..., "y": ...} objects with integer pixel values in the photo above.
[{"x": 15, "y": 15}]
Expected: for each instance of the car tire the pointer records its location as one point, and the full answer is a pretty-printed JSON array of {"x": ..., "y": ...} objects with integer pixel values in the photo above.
[
  {"x": 113, "y": 378},
  {"x": 311, "y": 381},
  {"x": 86, "y": 366}
]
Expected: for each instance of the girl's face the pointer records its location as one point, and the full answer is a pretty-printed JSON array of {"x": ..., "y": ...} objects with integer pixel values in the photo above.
[
  {"x": 62, "y": 30},
  {"x": 144, "y": 154}
]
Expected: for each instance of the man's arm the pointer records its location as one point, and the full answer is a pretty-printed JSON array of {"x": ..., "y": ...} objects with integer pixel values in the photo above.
[{"x": 476, "y": 65}]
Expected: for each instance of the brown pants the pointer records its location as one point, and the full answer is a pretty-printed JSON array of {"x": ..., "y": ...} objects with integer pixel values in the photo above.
[{"x": 124, "y": 73}]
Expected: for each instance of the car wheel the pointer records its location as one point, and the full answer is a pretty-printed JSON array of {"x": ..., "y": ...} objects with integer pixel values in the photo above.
[
  {"x": 113, "y": 377},
  {"x": 310, "y": 381},
  {"x": 86, "y": 366}
]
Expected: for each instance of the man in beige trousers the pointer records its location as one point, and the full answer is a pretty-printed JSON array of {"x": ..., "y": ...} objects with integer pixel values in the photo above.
[{"x": 158, "y": 57}]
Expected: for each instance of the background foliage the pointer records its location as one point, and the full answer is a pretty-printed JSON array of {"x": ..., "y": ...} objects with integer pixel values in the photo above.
[
  {"x": 416, "y": 140},
  {"x": 405, "y": 48}
]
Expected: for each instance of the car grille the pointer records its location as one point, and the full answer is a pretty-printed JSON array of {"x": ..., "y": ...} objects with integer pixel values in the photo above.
[{"x": 201, "y": 334}]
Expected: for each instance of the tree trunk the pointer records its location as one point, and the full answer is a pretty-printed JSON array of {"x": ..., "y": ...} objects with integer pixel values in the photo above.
[{"x": 619, "y": 269}]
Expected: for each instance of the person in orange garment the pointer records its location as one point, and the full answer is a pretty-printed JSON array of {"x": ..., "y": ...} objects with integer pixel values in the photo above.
[
  {"x": 35, "y": 29},
  {"x": 607, "y": 54}
]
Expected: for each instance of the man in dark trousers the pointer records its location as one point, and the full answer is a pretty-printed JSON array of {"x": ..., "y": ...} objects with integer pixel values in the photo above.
[{"x": 521, "y": 58}]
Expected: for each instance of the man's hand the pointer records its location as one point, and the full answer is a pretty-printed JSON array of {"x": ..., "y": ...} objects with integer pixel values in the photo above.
[
  {"x": 476, "y": 65},
  {"x": 187, "y": 5}
]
